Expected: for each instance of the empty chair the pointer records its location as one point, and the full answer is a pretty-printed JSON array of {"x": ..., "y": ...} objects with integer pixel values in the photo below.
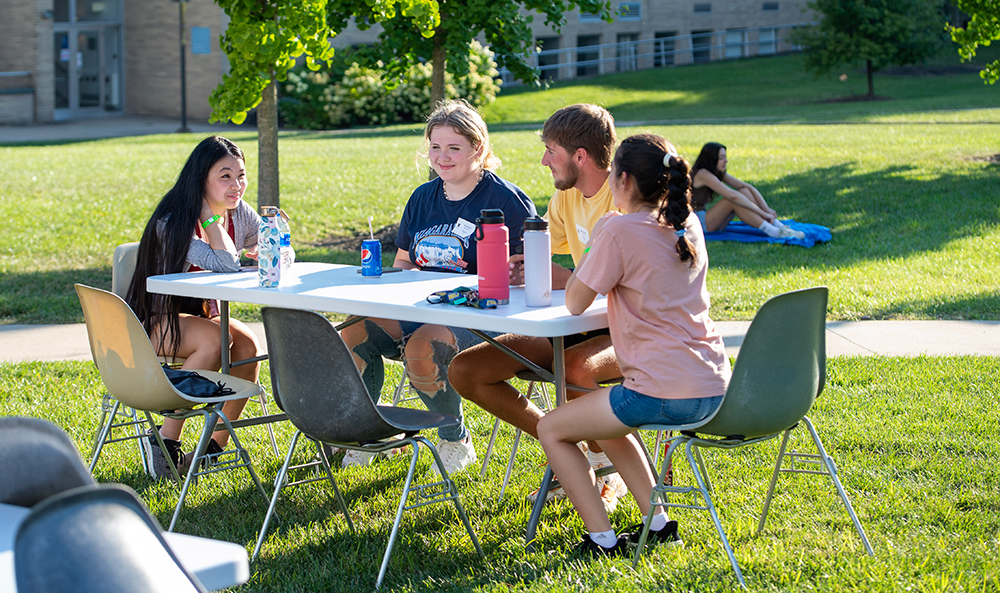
[
  {"x": 96, "y": 539},
  {"x": 316, "y": 382},
  {"x": 779, "y": 373},
  {"x": 132, "y": 374},
  {"x": 37, "y": 460}
]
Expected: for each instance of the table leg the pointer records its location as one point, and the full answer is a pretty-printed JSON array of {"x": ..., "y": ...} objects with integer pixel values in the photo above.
[
  {"x": 224, "y": 326},
  {"x": 559, "y": 370}
]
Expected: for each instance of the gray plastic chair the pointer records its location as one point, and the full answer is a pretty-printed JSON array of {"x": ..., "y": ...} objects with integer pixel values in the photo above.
[
  {"x": 779, "y": 373},
  {"x": 37, "y": 460},
  {"x": 315, "y": 381},
  {"x": 132, "y": 374},
  {"x": 96, "y": 539}
]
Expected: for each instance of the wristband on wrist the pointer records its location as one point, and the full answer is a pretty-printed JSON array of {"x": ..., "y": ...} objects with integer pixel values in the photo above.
[
  {"x": 586, "y": 249},
  {"x": 209, "y": 222}
]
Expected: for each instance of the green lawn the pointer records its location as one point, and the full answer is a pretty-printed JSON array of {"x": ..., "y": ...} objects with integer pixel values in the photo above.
[{"x": 914, "y": 440}]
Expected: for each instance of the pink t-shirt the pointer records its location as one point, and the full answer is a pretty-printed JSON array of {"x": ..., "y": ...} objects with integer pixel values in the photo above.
[{"x": 667, "y": 346}]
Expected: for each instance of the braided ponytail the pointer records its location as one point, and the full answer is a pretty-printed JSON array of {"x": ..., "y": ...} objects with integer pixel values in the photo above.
[
  {"x": 663, "y": 179},
  {"x": 676, "y": 205}
]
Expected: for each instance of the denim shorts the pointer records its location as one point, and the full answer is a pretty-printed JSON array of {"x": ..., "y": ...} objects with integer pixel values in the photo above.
[{"x": 635, "y": 409}]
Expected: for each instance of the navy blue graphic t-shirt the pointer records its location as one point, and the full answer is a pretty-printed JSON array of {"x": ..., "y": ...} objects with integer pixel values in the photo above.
[{"x": 441, "y": 235}]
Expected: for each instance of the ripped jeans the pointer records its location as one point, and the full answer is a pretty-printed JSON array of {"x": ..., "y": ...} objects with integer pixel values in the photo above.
[{"x": 378, "y": 343}]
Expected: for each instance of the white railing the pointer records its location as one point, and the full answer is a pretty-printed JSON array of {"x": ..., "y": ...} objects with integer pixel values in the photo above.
[{"x": 589, "y": 60}]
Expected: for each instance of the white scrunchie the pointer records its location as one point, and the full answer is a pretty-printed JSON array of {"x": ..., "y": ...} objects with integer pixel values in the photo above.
[{"x": 666, "y": 158}]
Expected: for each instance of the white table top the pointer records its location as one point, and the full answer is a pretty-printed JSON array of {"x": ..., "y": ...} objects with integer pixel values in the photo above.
[
  {"x": 217, "y": 564},
  {"x": 400, "y": 295}
]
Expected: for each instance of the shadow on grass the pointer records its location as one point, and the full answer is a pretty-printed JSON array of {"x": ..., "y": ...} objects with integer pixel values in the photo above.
[{"x": 47, "y": 297}]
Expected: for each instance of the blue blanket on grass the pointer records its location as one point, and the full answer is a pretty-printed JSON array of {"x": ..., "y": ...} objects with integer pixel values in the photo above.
[{"x": 744, "y": 233}]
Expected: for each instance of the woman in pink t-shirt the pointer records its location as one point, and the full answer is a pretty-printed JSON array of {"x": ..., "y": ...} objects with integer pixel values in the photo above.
[{"x": 652, "y": 263}]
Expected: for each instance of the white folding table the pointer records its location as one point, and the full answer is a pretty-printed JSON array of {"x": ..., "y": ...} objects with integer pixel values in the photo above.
[
  {"x": 217, "y": 564},
  {"x": 401, "y": 296}
]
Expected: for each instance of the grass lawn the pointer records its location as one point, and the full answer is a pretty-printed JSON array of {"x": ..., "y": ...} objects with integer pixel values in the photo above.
[
  {"x": 906, "y": 186},
  {"x": 914, "y": 440}
]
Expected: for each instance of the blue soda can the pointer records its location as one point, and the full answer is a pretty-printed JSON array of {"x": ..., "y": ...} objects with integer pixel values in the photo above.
[{"x": 371, "y": 258}]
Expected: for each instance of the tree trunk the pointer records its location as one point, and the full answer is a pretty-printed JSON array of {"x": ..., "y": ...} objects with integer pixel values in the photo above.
[
  {"x": 871, "y": 80},
  {"x": 437, "y": 73},
  {"x": 267, "y": 147}
]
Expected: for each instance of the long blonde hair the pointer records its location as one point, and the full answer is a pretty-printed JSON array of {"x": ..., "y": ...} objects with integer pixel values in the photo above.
[{"x": 467, "y": 122}]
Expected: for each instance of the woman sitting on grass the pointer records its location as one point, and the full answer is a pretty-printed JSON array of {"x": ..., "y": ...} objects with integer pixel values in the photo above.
[
  {"x": 652, "y": 263},
  {"x": 739, "y": 198},
  {"x": 202, "y": 223}
]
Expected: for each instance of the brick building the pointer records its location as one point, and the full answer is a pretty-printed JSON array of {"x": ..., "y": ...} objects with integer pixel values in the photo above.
[{"x": 70, "y": 59}]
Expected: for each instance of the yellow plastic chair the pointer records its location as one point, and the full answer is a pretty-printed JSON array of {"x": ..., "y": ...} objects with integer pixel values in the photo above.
[
  {"x": 779, "y": 373},
  {"x": 132, "y": 374},
  {"x": 116, "y": 417}
]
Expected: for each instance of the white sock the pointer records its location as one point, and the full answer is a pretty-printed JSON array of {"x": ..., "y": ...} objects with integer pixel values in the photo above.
[
  {"x": 769, "y": 229},
  {"x": 779, "y": 224},
  {"x": 598, "y": 458},
  {"x": 659, "y": 521},
  {"x": 605, "y": 539}
]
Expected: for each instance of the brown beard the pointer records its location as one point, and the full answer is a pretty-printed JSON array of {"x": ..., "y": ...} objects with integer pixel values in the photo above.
[{"x": 573, "y": 175}]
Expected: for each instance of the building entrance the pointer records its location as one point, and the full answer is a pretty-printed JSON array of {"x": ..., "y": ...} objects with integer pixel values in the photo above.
[{"x": 87, "y": 53}]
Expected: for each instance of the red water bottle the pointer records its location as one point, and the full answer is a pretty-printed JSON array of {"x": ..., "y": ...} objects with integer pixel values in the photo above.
[{"x": 492, "y": 252}]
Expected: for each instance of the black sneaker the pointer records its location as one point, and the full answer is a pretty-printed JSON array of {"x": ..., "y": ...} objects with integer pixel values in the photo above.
[
  {"x": 213, "y": 450},
  {"x": 158, "y": 467},
  {"x": 667, "y": 536},
  {"x": 588, "y": 548}
]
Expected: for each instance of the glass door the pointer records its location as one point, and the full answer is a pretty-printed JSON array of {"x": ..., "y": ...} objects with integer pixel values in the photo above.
[{"x": 87, "y": 38}]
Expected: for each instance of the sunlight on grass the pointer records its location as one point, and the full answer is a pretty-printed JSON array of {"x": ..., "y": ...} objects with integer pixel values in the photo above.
[{"x": 913, "y": 439}]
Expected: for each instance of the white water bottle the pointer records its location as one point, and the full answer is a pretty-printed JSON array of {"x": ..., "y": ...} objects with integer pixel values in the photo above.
[{"x": 537, "y": 263}]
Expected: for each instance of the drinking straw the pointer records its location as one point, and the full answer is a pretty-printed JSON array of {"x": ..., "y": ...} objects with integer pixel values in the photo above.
[{"x": 370, "y": 231}]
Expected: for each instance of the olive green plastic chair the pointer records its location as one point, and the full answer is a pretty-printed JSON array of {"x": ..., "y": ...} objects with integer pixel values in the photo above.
[
  {"x": 132, "y": 374},
  {"x": 780, "y": 371}
]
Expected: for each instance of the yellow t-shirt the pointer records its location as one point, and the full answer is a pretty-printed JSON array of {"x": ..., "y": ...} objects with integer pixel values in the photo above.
[{"x": 572, "y": 216}]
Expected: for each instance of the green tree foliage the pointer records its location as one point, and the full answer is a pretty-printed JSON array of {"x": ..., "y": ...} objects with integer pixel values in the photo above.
[
  {"x": 983, "y": 28},
  {"x": 262, "y": 42},
  {"x": 502, "y": 24},
  {"x": 876, "y": 33}
]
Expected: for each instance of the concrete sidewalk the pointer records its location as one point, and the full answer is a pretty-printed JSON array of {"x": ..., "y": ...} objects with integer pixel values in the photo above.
[
  {"x": 113, "y": 126},
  {"x": 20, "y": 343}
]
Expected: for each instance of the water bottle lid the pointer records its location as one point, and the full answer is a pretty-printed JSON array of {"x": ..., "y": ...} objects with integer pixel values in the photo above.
[
  {"x": 536, "y": 223},
  {"x": 490, "y": 216}
]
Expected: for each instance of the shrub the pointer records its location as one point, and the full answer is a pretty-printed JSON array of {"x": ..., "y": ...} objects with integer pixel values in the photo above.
[{"x": 363, "y": 95}]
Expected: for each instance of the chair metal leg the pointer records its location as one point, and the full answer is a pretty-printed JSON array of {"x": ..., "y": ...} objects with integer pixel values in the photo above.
[
  {"x": 774, "y": 481},
  {"x": 114, "y": 416},
  {"x": 831, "y": 468},
  {"x": 489, "y": 447},
  {"x": 453, "y": 493},
  {"x": 399, "y": 514},
  {"x": 212, "y": 416},
  {"x": 536, "y": 509},
  {"x": 262, "y": 398},
  {"x": 279, "y": 482},
  {"x": 707, "y": 497},
  {"x": 659, "y": 491},
  {"x": 510, "y": 463}
]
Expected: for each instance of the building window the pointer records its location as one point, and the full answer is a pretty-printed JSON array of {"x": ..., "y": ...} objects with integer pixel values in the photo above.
[
  {"x": 736, "y": 44},
  {"x": 701, "y": 46},
  {"x": 706, "y": 7},
  {"x": 588, "y": 55},
  {"x": 627, "y": 52},
  {"x": 767, "y": 42},
  {"x": 770, "y": 6},
  {"x": 664, "y": 47},
  {"x": 590, "y": 17},
  {"x": 548, "y": 58},
  {"x": 629, "y": 11}
]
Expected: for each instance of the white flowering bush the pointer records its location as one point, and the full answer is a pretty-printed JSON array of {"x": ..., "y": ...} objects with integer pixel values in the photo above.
[{"x": 364, "y": 96}]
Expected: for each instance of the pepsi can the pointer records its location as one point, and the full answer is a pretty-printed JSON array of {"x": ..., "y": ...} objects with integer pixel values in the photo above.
[{"x": 371, "y": 258}]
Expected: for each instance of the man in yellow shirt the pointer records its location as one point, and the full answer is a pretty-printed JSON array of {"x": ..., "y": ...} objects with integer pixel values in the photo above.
[{"x": 579, "y": 145}]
